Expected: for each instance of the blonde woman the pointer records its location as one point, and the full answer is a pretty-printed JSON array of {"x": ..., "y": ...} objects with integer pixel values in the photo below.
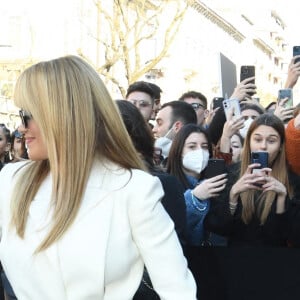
[
  {"x": 78, "y": 222},
  {"x": 253, "y": 209}
]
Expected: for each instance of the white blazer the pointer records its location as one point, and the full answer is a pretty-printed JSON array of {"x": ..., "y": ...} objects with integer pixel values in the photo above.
[{"x": 120, "y": 226}]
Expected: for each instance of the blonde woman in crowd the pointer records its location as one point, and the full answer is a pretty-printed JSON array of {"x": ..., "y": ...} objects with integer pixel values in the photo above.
[{"x": 78, "y": 222}]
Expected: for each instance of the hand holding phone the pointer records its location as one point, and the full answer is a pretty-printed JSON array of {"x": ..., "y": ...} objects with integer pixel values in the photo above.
[
  {"x": 214, "y": 168},
  {"x": 231, "y": 108},
  {"x": 247, "y": 72},
  {"x": 286, "y": 94}
]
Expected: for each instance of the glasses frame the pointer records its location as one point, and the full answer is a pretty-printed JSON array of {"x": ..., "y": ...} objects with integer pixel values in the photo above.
[
  {"x": 196, "y": 106},
  {"x": 25, "y": 117},
  {"x": 140, "y": 103}
]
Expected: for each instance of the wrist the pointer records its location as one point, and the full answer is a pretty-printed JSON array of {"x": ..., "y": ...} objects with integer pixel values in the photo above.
[
  {"x": 233, "y": 195},
  {"x": 196, "y": 197}
]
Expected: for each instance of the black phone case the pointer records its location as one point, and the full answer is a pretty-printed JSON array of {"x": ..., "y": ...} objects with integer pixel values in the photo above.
[
  {"x": 214, "y": 167},
  {"x": 296, "y": 51},
  {"x": 217, "y": 102},
  {"x": 246, "y": 72}
]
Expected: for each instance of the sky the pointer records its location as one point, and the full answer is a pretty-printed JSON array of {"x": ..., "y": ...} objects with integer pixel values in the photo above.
[{"x": 49, "y": 13}]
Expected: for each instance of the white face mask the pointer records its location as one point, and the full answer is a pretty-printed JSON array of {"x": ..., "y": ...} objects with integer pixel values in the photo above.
[
  {"x": 196, "y": 160},
  {"x": 164, "y": 143},
  {"x": 244, "y": 130}
]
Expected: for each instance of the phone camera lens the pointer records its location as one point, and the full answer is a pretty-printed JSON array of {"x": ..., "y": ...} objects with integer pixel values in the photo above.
[{"x": 255, "y": 155}]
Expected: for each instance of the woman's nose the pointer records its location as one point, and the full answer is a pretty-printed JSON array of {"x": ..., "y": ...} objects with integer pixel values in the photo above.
[{"x": 263, "y": 145}]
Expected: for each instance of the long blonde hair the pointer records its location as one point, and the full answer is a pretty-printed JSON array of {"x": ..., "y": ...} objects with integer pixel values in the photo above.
[
  {"x": 78, "y": 121},
  {"x": 262, "y": 205}
]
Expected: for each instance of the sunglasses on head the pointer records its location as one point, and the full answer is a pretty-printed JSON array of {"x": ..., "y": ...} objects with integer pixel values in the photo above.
[{"x": 25, "y": 117}]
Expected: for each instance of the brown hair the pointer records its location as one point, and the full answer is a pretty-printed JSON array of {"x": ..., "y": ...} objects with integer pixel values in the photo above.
[{"x": 279, "y": 170}]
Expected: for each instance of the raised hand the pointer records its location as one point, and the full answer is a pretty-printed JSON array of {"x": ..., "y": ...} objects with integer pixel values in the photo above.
[
  {"x": 243, "y": 88},
  {"x": 293, "y": 73},
  {"x": 249, "y": 181},
  {"x": 283, "y": 113},
  {"x": 211, "y": 187}
]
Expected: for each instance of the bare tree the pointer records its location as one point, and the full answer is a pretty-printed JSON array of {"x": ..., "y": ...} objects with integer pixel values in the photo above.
[{"x": 127, "y": 27}]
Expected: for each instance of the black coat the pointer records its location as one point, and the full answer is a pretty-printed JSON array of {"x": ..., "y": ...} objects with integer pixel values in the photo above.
[{"x": 174, "y": 203}]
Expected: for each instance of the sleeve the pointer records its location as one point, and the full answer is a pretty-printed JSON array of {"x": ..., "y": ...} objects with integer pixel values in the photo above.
[
  {"x": 294, "y": 223},
  {"x": 292, "y": 145},
  {"x": 6, "y": 175},
  {"x": 7, "y": 180},
  {"x": 154, "y": 234},
  {"x": 222, "y": 155},
  {"x": 196, "y": 211},
  {"x": 276, "y": 226},
  {"x": 215, "y": 128},
  {"x": 219, "y": 219},
  {"x": 174, "y": 204}
]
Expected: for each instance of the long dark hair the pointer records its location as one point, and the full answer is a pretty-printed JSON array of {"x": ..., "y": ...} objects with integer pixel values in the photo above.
[
  {"x": 174, "y": 165},
  {"x": 139, "y": 131},
  {"x": 6, "y": 133}
]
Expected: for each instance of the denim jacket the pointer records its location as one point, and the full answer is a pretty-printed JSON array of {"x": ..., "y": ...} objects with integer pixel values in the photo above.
[{"x": 196, "y": 211}]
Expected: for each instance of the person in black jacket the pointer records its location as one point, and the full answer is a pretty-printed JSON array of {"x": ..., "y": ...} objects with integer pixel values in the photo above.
[
  {"x": 143, "y": 140},
  {"x": 253, "y": 209}
]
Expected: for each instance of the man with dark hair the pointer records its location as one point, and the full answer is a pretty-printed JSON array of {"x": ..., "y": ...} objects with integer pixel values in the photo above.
[
  {"x": 142, "y": 95},
  {"x": 169, "y": 120},
  {"x": 157, "y": 95},
  {"x": 199, "y": 103}
]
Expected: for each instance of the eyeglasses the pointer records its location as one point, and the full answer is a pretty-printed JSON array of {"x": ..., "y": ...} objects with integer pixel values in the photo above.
[
  {"x": 196, "y": 106},
  {"x": 25, "y": 117},
  {"x": 140, "y": 103}
]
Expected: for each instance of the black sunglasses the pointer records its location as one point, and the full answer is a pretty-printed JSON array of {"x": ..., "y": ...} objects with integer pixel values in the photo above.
[{"x": 25, "y": 117}]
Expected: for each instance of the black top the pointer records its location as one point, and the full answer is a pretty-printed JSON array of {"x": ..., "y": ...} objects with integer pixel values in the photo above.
[{"x": 219, "y": 220}]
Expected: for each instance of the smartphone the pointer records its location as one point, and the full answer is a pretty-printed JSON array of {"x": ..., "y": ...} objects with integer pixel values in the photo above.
[
  {"x": 296, "y": 51},
  {"x": 217, "y": 102},
  {"x": 286, "y": 93},
  {"x": 230, "y": 104},
  {"x": 246, "y": 72},
  {"x": 260, "y": 157},
  {"x": 214, "y": 167}
]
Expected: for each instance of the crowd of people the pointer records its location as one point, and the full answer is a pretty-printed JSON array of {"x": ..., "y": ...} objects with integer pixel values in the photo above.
[{"x": 98, "y": 203}]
